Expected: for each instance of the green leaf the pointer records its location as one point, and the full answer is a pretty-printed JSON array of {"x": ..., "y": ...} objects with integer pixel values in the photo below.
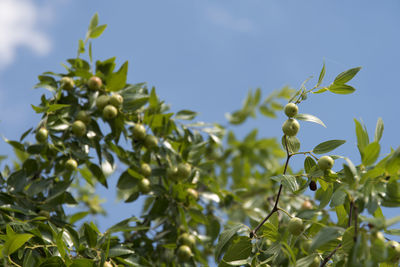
[
  {"x": 78, "y": 216},
  {"x": 309, "y": 163},
  {"x": 325, "y": 235},
  {"x": 239, "y": 249},
  {"x": 338, "y": 197},
  {"x": 98, "y": 173},
  {"x": 82, "y": 263},
  {"x": 362, "y": 136},
  {"x": 346, "y": 76},
  {"x": 289, "y": 181},
  {"x": 56, "y": 107},
  {"x": 119, "y": 251},
  {"x": 308, "y": 117},
  {"x": 185, "y": 115},
  {"x": 293, "y": 143},
  {"x": 14, "y": 242},
  {"x": 370, "y": 153},
  {"x": 225, "y": 237},
  {"x": 328, "y": 146},
  {"x": 94, "y": 21},
  {"x": 341, "y": 89},
  {"x": 321, "y": 75},
  {"x": 15, "y": 144},
  {"x": 117, "y": 80},
  {"x": 81, "y": 47},
  {"x": 306, "y": 261},
  {"x": 378, "y": 130},
  {"x": 90, "y": 235},
  {"x": 52, "y": 262},
  {"x": 96, "y": 32}
]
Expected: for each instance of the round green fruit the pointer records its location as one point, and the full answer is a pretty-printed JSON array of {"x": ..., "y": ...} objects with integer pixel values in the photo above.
[
  {"x": 172, "y": 172},
  {"x": 41, "y": 135},
  {"x": 393, "y": 250},
  {"x": 108, "y": 264},
  {"x": 102, "y": 101},
  {"x": 139, "y": 132},
  {"x": 184, "y": 170},
  {"x": 184, "y": 253},
  {"x": 79, "y": 128},
  {"x": 144, "y": 186},
  {"x": 116, "y": 100},
  {"x": 325, "y": 163},
  {"x": 296, "y": 226},
  {"x": 192, "y": 193},
  {"x": 187, "y": 239},
  {"x": 110, "y": 112},
  {"x": 291, "y": 127},
  {"x": 315, "y": 262},
  {"x": 307, "y": 245},
  {"x": 94, "y": 83},
  {"x": 71, "y": 165},
  {"x": 84, "y": 117},
  {"x": 291, "y": 110},
  {"x": 145, "y": 169},
  {"x": 150, "y": 141},
  {"x": 67, "y": 83}
]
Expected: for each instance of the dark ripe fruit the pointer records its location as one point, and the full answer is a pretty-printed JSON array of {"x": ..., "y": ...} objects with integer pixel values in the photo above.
[
  {"x": 291, "y": 127},
  {"x": 71, "y": 165},
  {"x": 184, "y": 253},
  {"x": 192, "y": 193},
  {"x": 187, "y": 239},
  {"x": 41, "y": 135},
  {"x": 184, "y": 170},
  {"x": 84, "y": 117},
  {"x": 145, "y": 169},
  {"x": 291, "y": 110},
  {"x": 78, "y": 128},
  {"x": 307, "y": 205},
  {"x": 67, "y": 83},
  {"x": 116, "y": 100},
  {"x": 139, "y": 132},
  {"x": 144, "y": 186},
  {"x": 150, "y": 141},
  {"x": 102, "y": 101},
  {"x": 94, "y": 83},
  {"x": 313, "y": 186},
  {"x": 296, "y": 226},
  {"x": 110, "y": 112},
  {"x": 325, "y": 163}
]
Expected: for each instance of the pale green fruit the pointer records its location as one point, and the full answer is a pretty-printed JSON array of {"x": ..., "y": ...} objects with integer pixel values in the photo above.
[
  {"x": 150, "y": 141},
  {"x": 184, "y": 253},
  {"x": 78, "y": 128},
  {"x": 187, "y": 239},
  {"x": 145, "y": 169},
  {"x": 94, "y": 83},
  {"x": 184, "y": 170},
  {"x": 116, "y": 100},
  {"x": 110, "y": 112},
  {"x": 139, "y": 132},
  {"x": 291, "y": 127},
  {"x": 41, "y": 135},
  {"x": 144, "y": 186},
  {"x": 291, "y": 110},
  {"x": 315, "y": 262},
  {"x": 71, "y": 165},
  {"x": 102, "y": 101},
  {"x": 393, "y": 250},
  {"x": 67, "y": 83},
  {"x": 192, "y": 193},
  {"x": 325, "y": 163},
  {"x": 296, "y": 226},
  {"x": 84, "y": 117}
]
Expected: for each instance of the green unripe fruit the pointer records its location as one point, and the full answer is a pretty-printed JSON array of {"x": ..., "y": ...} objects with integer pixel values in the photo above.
[
  {"x": 44, "y": 213},
  {"x": 393, "y": 250},
  {"x": 139, "y": 132},
  {"x": 41, "y": 135},
  {"x": 67, "y": 83},
  {"x": 144, "y": 186},
  {"x": 84, "y": 117},
  {"x": 71, "y": 165},
  {"x": 296, "y": 226},
  {"x": 184, "y": 253},
  {"x": 150, "y": 141},
  {"x": 307, "y": 245},
  {"x": 192, "y": 193},
  {"x": 291, "y": 110},
  {"x": 116, "y": 100},
  {"x": 79, "y": 128},
  {"x": 291, "y": 127},
  {"x": 172, "y": 172},
  {"x": 315, "y": 262},
  {"x": 108, "y": 264},
  {"x": 102, "y": 101},
  {"x": 94, "y": 83},
  {"x": 187, "y": 239},
  {"x": 184, "y": 170},
  {"x": 110, "y": 112},
  {"x": 325, "y": 163},
  {"x": 145, "y": 169}
]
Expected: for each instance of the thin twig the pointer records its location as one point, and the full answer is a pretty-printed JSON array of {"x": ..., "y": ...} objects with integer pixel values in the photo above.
[{"x": 275, "y": 208}]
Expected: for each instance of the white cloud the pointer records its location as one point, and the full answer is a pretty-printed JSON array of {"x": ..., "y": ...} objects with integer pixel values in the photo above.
[
  {"x": 222, "y": 17},
  {"x": 19, "y": 27}
]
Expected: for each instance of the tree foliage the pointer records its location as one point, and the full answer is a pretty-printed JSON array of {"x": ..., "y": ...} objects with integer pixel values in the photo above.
[{"x": 209, "y": 197}]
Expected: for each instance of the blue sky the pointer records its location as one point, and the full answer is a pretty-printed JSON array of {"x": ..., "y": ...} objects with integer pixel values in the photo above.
[{"x": 205, "y": 56}]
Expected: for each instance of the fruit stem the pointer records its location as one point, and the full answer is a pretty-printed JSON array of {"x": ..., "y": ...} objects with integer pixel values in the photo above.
[{"x": 275, "y": 208}]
